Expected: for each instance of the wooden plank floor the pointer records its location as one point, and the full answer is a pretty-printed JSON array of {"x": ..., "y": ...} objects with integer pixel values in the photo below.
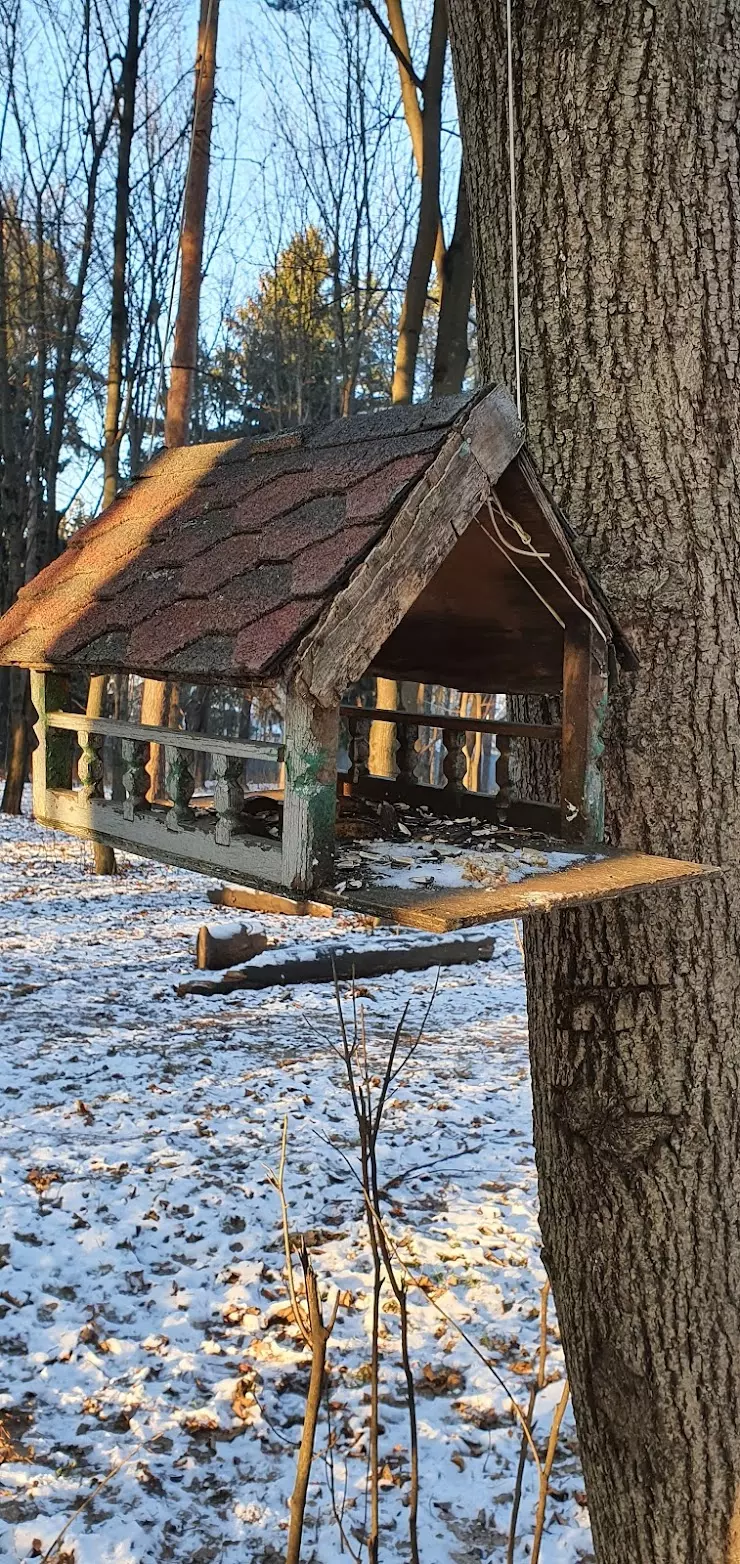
[{"x": 443, "y": 909}]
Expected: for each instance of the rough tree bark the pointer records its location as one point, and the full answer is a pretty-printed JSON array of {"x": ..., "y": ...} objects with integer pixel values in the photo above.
[
  {"x": 451, "y": 348},
  {"x": 628, "y": 166}
]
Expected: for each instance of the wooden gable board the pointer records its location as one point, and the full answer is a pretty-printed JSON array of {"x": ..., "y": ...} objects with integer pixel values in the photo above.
[{"x": 342, "y": 646}]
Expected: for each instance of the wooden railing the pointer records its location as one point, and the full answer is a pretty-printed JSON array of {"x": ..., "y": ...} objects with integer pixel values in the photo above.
[
  {"x": 215, "y": 834},
  {"x": 228, "y": 756},
  {"x": 453, "y": 797}
]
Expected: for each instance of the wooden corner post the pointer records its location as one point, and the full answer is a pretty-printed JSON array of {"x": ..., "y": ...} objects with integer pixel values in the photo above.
[
  {"x": 51, "y": 764},
  {"x": 585, "y": 694},
  {"x": 309, "y": 812}
]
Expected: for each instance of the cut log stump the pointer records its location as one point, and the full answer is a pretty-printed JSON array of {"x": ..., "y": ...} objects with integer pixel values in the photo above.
[{"x": 215, "y": 951}]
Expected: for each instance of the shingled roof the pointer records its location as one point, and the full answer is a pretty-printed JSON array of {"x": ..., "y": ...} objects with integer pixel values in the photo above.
[{"x": 220, "y": 556}]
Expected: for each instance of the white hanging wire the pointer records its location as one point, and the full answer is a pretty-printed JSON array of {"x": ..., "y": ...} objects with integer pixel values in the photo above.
[
  {"x": 530, "y": 552},
  {"x": 512, "y": 206},
  {"x": 503, "y": 549},
  {"x": 176, "y": 272}
]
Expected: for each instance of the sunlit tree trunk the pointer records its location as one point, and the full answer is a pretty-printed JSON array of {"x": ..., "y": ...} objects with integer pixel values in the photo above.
[
  {"x": 118, "y": 332},
  {"x": 628, "y": 179},
  {"x": 382, "y": 752},
  {"x": 156, "y": 700},
  {"x": 417, "y": 286},
  {"x": 182, "y": 373}
]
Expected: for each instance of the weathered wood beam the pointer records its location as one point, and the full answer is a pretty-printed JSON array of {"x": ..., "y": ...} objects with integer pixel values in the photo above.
[
  {"x": 434, "y": 719},
  {"x": 255, "y": 860},
  {"x": 438, "y": 510},
  {"x": 270, "y": 901},
  {"x": 585, "y": 694},
  {"x": 176, "y": 738},
  {"x": 310, "y": 801}
]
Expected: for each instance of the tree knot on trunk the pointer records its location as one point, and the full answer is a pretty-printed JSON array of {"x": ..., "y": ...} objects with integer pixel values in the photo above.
[{"x": 612, "y": 1129}]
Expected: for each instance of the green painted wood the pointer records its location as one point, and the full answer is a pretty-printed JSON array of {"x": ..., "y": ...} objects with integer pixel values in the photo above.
[{"x": 310, "y": 802}]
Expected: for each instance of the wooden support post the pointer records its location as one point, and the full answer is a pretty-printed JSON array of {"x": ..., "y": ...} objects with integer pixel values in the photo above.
[
  {"x": 52, "y": 758},
  {"x": 311, "y": 741},
  {"x": 585, "y": 693}
]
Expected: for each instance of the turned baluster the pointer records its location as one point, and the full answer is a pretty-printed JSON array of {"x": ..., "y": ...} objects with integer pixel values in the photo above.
[
  {"x": 135, "y": 778},
  {"x": 503, "y": 781},
  {"x": 180, "y": 788},
  {"x": 228, "y": 797},
  {"x": 408, "y": 734},
  {"x": 455, "y": 763},
  {"x": 359, "y": 747},
  {"x": 90, "y": 764}
]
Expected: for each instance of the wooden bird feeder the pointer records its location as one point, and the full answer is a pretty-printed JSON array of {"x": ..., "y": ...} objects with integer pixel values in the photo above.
[{"x": 417, "y": 543}]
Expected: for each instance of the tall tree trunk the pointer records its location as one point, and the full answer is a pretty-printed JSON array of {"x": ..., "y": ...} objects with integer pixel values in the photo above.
[
  {"x": 412, "y": 114},
  {"x": 417, "y": 286},
  {"x": 451, "y": 349},
  {"x": 14, "y": 705},
  {"x": 118, "y": 331},
  {"x": 629, "y": 172},
  {"x": 18, "y": 746},
  {"x": 157, "y": 696},
  {"x": 182, "y": 373},
  {"x": 382, "y": 752},
  {"x": 104, "y": 858}
]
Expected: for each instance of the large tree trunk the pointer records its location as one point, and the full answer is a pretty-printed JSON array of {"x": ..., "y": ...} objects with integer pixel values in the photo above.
[
  {"x": 118, "y": 331},
  {"x": 451, "y": 351},
  {"x": 104, "y": 858},
  {"x": 422, "y": 255},
  {"x": 157, "y": 698},
  {"x": 182, "y": 373},
  {"x": 628, "y": 199}
]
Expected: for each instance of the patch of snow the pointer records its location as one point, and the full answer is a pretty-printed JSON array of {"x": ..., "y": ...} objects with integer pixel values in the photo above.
[{"x": 142, "y": 1291}]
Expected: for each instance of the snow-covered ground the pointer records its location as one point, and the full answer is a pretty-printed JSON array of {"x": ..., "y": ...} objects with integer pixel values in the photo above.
[{"x": 142, "y": 1284}]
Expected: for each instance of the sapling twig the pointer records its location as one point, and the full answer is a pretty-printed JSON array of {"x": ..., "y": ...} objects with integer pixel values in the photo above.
[
  {"x": 319, "y": 1336},
  {"x": 545, "y": 1471},
  {"x": 537, "y": 1384},
  {"x": 278, "y": 1183},
  {"x": 422, "y": 1285},
  {"x": 369, "y": 1117}
]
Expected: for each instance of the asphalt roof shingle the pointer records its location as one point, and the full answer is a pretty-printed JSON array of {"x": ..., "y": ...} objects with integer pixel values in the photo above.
[{"x": 220, "y": 556}]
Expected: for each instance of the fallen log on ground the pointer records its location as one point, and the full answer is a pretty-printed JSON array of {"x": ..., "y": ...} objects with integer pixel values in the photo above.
[
  {"x": 216, "y": 951},
  {"x": 268, "y": 901},
  {"x": 343, "y": 963}
]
